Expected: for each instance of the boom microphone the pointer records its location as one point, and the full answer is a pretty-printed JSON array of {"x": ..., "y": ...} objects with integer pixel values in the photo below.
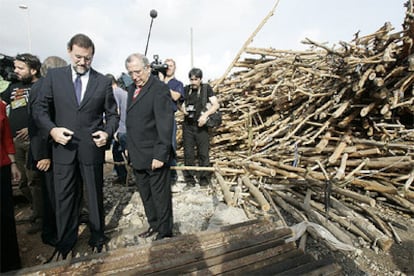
[{"x": 153, "y": 13}]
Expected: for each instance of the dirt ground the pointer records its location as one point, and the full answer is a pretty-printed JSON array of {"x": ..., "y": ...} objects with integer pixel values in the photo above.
[
  {"x": 399, "y": 260},
  {"x": 32, "y": 250}
]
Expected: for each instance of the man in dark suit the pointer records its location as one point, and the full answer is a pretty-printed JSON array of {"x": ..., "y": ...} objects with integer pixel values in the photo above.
[
  {"x": 149, "y": 124},
  {"x": 40, "y": 157},
  {"x": 78, "y": 110}
]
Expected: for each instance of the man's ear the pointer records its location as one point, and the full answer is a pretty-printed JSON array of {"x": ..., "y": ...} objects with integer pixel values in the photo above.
[{"x": 33, "y": 72}]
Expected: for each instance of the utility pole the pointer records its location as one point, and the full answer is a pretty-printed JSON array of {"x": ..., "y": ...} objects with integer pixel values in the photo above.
[
  {"x": 26, "y": 8},
  {"x": 191, "y": 46}
]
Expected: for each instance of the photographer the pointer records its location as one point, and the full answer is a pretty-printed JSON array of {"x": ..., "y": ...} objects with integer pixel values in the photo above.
[
  {"x": 177, "y": 96},
  {"x": 195, "y": 131}
]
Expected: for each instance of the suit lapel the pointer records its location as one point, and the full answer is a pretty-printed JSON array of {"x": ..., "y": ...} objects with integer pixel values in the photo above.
[
  {"x": 90, "y": 88},
  {"x": 142, "y": 94},
  {"x": 69, "y": 83}
]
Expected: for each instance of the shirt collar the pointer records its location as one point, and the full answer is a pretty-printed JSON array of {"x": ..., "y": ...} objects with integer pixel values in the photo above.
[{"x": 74, "y": 73}]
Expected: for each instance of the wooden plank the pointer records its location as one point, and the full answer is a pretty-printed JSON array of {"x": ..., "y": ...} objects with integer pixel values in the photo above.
[
  {"x": 168, "y": 253},
  {"x": 233, "y": 260},
  {"x": 314, "y": 267}
]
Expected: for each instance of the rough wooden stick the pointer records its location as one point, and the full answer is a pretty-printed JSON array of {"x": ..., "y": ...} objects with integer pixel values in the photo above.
[
  {"x": 363, "y": 224},
  {"x": 210, "y": 169},
  {"x": 248, "y": 41},
  {"x": 395, "y": 234},
  {"x": 340, "y": 173},
  {"x": 256, "y": 193},
  {"x": 237, "y": 192},
  {"x": 272, "y": 203},
  {"x": 228, "y": 198},
  {"x": 409, "y": 181},
  {"x": 318, "y": 218},
  {"x": 323, "y": 143},
  {"x": 354, "y": 195},
  {"x": 339, "y": 149},
  {"x": 380, "y": 224},
  {"x": 345, "y": 223},
  {"x": 296, "y": 214}
]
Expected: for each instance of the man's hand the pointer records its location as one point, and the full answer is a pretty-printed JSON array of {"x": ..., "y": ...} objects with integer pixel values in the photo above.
[
  {"x": 202, "y": 120},
  {"x": 100, "y": 138},
  {"x": 61, "y": 135},
  {"x": 22, "y": 134},
  {"x": 156, "y": 164},
  {"x": 16, "y": 174},
  {"x": 161, "y": 76},
  {"x": 43, "y": 165}
]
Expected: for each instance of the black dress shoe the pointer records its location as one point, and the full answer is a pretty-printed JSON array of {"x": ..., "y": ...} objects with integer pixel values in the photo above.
[
  {"x": 98, "y": 244},
  {"x": 54, "y": 254},
  {"x": 97, "y": 248},
  {"x": 147, "y": 233},
  {"x": 162, "y": 236}
]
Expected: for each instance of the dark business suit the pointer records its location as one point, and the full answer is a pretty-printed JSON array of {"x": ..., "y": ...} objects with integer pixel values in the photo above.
[
  {"x": 149, "y": 130},
  {"x": 80, "y": 160},
  {"x": 41, "y": 148}
]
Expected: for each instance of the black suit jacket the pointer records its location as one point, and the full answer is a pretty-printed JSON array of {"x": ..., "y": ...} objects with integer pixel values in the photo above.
[
  {"x": 149, "y": 124},
  {"x": 39, "y": 142},
  {"x": 97, "y": 111}
]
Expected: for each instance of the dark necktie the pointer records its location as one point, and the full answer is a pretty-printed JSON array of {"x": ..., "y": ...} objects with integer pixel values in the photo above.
[{"x": 78, "y": 87}]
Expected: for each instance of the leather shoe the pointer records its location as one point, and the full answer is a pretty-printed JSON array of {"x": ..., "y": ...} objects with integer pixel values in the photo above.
[
  {"x": 98, "y": 248},
  {"x": 98, "y": 244},
  {"x": 161, "y": 236},
  {"x": 147, "y": 233}
]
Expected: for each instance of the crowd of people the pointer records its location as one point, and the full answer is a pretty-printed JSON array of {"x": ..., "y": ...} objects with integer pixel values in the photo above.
[{"x": 58, "y": 120}]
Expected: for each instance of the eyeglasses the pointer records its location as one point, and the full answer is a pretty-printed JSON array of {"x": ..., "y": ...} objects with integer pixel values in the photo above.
[
  {"x": 86, "y": 59},
  {"x": 136, "y": 72}
]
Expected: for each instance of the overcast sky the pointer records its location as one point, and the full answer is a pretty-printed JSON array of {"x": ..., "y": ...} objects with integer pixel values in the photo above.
[{"x": 219, "y": 28}]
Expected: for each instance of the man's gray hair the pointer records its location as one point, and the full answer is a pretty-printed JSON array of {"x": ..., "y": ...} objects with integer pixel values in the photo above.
[
  {"x": 138, "y": 56},
  {"x": 52, "y": 62}
]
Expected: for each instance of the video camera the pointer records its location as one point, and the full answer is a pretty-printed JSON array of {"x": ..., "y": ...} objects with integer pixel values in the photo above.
[
  {"x": 158, "y": 67},
  {"x": 7, "y": 68}
]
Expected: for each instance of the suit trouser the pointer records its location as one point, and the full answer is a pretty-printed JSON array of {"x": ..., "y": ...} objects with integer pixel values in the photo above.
[
  {"x": 68, "y": 191},
  {"x": 49, "y": 231},
  {"x": 155, "y": 191},
  {"x": 9, "y": 253}
]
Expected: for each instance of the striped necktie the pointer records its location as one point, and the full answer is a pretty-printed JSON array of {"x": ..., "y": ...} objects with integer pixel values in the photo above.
[{"x": 136, "y": 92}]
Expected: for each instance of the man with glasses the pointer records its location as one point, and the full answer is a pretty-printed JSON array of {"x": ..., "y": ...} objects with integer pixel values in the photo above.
[
  {"x": 200, "y": 102},
  {"x": 149, "y": 124},
  {"x": 78, "y": 110},
  {"x": 27, "y": 71}
]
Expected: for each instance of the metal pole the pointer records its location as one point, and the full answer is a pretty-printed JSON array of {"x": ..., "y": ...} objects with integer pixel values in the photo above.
[
  {"x": 149, "y": 33},
  {"x": 191, "y": 47},
  {"x": 25, "y": 7}
]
